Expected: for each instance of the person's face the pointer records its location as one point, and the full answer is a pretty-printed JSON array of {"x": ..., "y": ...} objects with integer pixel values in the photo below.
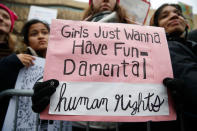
[
  {"x": 104, "y": 5},
  {"x": 38, "y": 37},
  {"x": 5, "y": 21},
  {"x": 171, "y": 19}
]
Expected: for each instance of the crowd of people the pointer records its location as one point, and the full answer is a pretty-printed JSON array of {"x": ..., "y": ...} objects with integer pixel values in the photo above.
[{"x": 182, "y": 47}]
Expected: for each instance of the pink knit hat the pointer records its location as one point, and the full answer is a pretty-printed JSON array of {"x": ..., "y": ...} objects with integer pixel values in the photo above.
[
  {"x": 91, "y": 1},
  {"x": 13, "y": 16}
]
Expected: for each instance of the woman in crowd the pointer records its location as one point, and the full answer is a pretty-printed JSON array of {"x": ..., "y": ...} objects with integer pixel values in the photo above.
[
  {"x": 10, "y": 63},
  {"x": 35, "y": 35},
  {"x": 99, "y": 10},
  {"x": 184, "y": 63}
]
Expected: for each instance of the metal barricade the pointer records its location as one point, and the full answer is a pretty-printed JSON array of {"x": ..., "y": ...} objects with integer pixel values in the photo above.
[
  {"x": 29, "y": 93},
  {"x": 17, "y": 93}
]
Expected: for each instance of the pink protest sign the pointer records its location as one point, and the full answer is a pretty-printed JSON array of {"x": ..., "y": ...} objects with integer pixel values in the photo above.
[{"x": 108, "y": 72}]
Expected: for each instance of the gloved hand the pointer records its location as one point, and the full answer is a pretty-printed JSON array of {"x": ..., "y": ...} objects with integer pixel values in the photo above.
[
  {"x": 176, "y": 86},
  {"x": 42, "y": 94}
]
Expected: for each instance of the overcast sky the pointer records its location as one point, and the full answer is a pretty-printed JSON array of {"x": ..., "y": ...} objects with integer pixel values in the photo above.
[{"x": 156, "y": 3}]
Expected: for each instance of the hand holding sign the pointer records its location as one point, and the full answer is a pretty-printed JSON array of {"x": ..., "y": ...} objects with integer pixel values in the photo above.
[
  {"x": 42, "y": 94},
  {"x": 176, "y": 87}
]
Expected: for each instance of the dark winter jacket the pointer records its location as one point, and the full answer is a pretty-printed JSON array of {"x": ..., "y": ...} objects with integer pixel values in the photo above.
[
  {"x": 9, "y": 69},
  {"x": 4, "y": 50},
  {"x": 192, "y": 35},
  {"x": 184, "y": 63}
]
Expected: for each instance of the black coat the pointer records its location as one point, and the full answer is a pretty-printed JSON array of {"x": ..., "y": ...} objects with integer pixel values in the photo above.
[
  {"x": 184, "y": 63},
  {"x": 9, "y": 69},
  {"x": 192, "y": 35}
]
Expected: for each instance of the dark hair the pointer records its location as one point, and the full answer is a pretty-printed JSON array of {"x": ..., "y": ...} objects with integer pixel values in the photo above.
[
  {"x": 154, "y": 21},
  {"x": 26, "y": 27}
]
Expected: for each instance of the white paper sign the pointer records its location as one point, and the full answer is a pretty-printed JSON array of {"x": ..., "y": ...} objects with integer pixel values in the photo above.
[
  {"x": 80, "y": 98},
  {"x": 42, "y": 13}
]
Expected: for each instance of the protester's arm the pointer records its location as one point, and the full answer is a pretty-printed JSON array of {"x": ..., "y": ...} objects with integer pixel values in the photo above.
[
  {"x": 185, "y": 68},
  {"x": 26, "y": 59},
  {"x": 12, "y": 62},
  {"x": 9, "y": 69},
  {"x": 16, "y": 62},
  {"x": 176, "y": 87}
]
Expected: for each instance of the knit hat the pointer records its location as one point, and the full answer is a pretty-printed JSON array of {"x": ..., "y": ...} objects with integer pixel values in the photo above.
[
  {"x": 13, "y": 16},
  {"x": 91, "y": 1}
]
